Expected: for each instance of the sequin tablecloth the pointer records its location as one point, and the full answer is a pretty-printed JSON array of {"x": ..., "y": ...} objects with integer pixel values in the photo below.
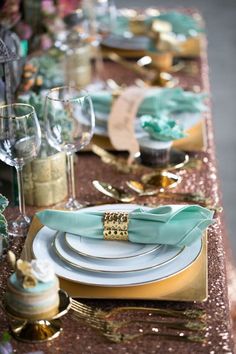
[{"x": 77, "y": 337}]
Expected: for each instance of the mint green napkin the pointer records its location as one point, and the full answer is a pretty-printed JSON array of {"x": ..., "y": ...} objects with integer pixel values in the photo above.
[
  {"x": 156, "y": 102},
  {"x": 162, "y": 129},
  {"x": 178, "y": 225},
  {"x": 181, "y": 23}
]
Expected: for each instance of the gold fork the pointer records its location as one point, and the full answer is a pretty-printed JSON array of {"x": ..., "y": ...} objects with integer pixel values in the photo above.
[
  {"x": 110, "y": 330},
  {"x": 186, "y": 313},
  {"x": 115, "y": 325}
]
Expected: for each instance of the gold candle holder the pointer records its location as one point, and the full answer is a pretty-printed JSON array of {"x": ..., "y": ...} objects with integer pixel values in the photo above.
[{"x": 41, "y": 330}]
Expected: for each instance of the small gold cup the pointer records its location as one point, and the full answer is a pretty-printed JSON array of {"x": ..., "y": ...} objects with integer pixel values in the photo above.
[{"x": 137, "y": 25}]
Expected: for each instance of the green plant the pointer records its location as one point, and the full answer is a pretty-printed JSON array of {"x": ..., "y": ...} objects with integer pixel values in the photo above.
[
  {"x": 5, "y": 345},
  {"x": 3, "y": 221},
  {"x": 38, "y": 102}
]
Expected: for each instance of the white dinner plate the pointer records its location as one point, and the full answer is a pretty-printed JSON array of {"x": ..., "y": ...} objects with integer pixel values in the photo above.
[
  {"x": 101, "y": 249},
  {"x": 183, "y": 261},
  {"x": 151, "y": 260}
]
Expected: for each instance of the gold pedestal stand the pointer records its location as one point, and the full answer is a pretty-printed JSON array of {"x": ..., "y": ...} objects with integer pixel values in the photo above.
[{"x": 43, "y": 330}]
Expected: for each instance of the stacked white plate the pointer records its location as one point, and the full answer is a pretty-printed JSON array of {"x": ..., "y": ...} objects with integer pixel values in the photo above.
[{"x": 111, "y": 263}]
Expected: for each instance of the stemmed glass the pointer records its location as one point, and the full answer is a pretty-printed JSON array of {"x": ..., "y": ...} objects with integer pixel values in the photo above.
[
  {"x": 69, "y": 122},
  {"x": 101, "y": 20},
  {"x": 20, "y": 139}
]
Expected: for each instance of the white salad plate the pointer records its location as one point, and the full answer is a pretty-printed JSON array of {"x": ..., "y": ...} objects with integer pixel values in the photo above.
[
  {"x": 43, "y": 248},
  {"x": 161, "y": 256},
  {"x": 102, "y": 249}
]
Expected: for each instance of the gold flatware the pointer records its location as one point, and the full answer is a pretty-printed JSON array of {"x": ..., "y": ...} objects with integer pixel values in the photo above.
[
  {"x": 96, "y": 312},
  {"x": 110, "y": 159},
  {"x": 148, "y": 74},
  {"x": 184, "y": 66},
  {"x": 110, "y": 331},
  {"x": 158, "y": 183},
  {"x": 152, "y": 77},
  {"x": 115, "y": 193},
  {"x": 109, "y": 328},
  {"x": 124, "y": 197},
  {"x": 112, "y": 84},
  {"x": 121, "y": 196},
  {"x": 96, "y": 321},
  {"x": 148, "y": 189}
]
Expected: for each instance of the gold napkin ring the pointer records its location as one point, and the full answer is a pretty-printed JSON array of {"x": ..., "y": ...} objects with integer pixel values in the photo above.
[{"x": 115, "y": 226}]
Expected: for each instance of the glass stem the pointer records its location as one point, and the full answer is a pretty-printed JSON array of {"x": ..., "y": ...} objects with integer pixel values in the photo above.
[
  {"x": 98, "y": 62},
  {"x": 20, "y": 190},
  {"x": 70, "y": 175}
]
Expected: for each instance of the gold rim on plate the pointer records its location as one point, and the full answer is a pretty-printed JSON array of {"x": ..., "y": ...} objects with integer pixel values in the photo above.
[
  {"x": 155, "y": 248},
  {"x": 74, "y": 265}
]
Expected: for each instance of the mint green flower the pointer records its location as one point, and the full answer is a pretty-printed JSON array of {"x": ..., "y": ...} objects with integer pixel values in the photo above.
[{"x": 161, "y": 129}]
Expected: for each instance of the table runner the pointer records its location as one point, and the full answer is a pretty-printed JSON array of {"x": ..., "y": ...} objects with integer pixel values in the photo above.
[{"x": 78, "y": 337}]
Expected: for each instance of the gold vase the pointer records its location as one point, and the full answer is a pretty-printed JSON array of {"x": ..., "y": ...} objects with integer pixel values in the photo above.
[{"x": 45, "y": 181}]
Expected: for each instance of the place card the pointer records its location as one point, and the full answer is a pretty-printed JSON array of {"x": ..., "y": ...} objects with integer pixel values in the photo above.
[{"x": 121, "y": 128}]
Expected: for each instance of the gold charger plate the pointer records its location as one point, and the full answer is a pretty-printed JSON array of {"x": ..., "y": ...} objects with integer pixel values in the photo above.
[{"x": 191, "y": 284}]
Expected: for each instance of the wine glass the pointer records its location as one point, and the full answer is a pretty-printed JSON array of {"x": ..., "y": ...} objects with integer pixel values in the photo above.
[
  {"x": 69, "y": 122},
  {"x": 100, "y": 21},
  {"x": 20, "y": 139}
]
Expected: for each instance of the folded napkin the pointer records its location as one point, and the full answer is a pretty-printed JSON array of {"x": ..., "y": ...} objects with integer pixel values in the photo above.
[
  {"x": 178, "y": 225},
  {"x": 156, "y": 101}
]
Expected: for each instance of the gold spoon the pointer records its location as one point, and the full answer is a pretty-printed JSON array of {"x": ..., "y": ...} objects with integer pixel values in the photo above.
[
  {"x": 115, "y": 193},
  {"x": 159, "y": 183},
  {"x": 149, "y": 190},
  {"x": 124, "y": 197},
  {"x": 121, "y": 196},
  {"x": 163, "y": 180}
]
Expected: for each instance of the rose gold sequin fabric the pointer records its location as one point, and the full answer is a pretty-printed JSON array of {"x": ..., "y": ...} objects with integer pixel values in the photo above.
[{"x": 77, "y": 337}]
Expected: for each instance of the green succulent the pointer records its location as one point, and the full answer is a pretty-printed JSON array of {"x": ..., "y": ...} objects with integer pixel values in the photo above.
[
  {"x": 50, "y": 69},
  {"x": 35, "y": 100},
  {"x": 164, "y": 129},
  {"x": 3, "y": 221}
]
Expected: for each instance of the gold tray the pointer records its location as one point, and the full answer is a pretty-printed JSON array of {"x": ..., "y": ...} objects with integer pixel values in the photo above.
[{"x": 188, "y": 285}]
